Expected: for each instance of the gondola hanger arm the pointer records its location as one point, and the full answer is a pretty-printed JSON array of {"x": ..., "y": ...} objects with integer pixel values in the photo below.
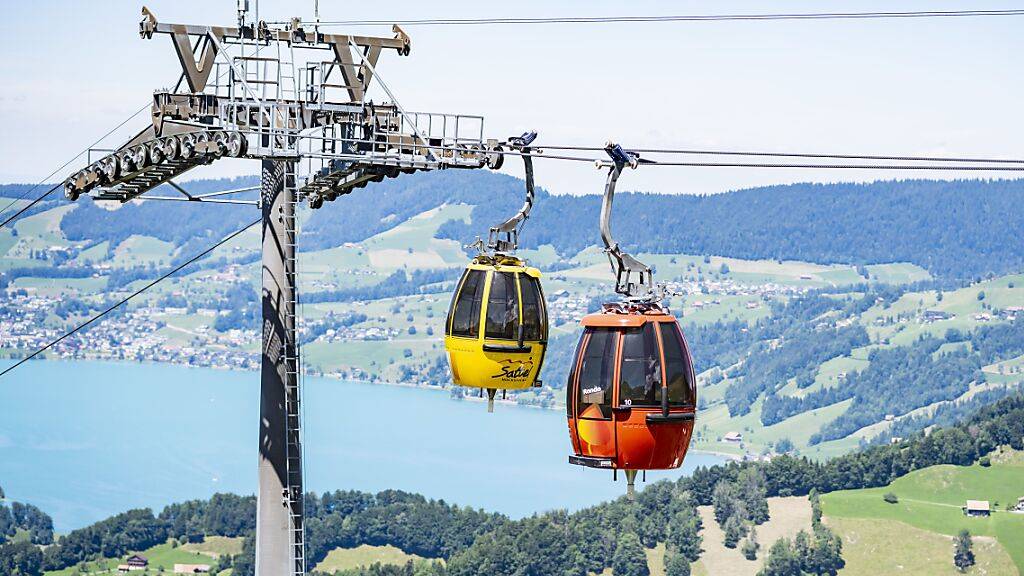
[
  {"x": 633, "y": 278},
  {"x": 505, "y": 236}
]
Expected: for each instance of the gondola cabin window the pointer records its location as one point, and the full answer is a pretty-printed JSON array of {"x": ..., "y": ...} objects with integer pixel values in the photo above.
[
  {"x": 534, "y": 319},
  {"x": 640, "y": 376},
  {"x": 680, "y": 381},
  {"x": 466, "y": 317},
  {"x": 597, "y": 369},
  {"x": 503, "y": 307}
]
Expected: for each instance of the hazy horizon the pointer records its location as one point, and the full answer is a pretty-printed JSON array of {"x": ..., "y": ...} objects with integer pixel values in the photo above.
[{"x": 910, "y": 86}]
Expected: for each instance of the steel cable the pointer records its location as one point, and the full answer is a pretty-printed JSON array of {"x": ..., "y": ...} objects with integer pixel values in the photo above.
[
  {"x": 671, "y": 18},
  {"x": 697, "y": 152}
]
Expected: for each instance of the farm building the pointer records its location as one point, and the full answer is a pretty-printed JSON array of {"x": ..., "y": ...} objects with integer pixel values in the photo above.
[
  {"x": 733, "y": 437},
  {"x": 134, "y": 562},
  {"x": 191, "y": 568},
  {"x": 936, "y": 315},
  {"x": 977, "y": 508}
]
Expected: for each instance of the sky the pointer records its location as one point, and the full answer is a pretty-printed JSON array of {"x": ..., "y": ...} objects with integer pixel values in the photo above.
[{"x": 72, "y": 70}]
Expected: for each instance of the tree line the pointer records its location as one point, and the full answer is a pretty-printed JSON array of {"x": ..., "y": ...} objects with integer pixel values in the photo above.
[
  {"x": 954, "y": 229},
  {"x": 609, "y": 535},
  {"x": 398, "y": 283}
]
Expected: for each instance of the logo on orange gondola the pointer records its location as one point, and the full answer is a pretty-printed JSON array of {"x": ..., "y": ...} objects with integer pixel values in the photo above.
[{"x": 514, "y": 369}]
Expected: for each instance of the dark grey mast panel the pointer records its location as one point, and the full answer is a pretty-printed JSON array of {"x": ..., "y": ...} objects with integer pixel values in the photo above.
[{"x": 279, "y": 535}]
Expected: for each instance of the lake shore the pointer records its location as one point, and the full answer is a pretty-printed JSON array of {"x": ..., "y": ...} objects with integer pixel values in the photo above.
[{"x": 84, "y": 440}]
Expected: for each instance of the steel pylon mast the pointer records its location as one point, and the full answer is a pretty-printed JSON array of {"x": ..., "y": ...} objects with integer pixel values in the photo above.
[{"x": 296, "y": 100}]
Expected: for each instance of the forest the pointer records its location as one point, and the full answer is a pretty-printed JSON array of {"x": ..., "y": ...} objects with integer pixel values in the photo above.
[
  {"x": 960, "y": 229},
  {"x": 610, "y": 535}
]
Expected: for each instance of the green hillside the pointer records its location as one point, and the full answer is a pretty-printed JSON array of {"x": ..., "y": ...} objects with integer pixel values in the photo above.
[
  {"x": 376, "y": 287},
  {"x": 932, "y": 499}
]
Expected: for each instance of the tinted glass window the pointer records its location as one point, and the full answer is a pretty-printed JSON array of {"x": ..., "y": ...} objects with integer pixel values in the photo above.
[
  {"x": 594, "y": 392},
  {"x": 572, "y": 376},
  {"x": 466, "y": 320},
  {"x": 503, "y": 307},
  {"x": 640, "y": 377},
  {"x": 534, "y": 317},
  {"x": 451, "y": 305},
  {"x": 680, "y": 385}
]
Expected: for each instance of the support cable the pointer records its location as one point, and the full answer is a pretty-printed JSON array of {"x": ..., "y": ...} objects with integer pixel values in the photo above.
[
  {"x": 676, "y": 18},
  {"x": 133, "y": 295},
  {"x": 697, "y": 152},
  {"x": 538, "y": 152},
  {"x": 1002, "y": 168}
]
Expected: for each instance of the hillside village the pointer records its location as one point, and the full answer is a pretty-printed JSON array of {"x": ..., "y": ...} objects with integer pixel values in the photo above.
[{"x": 206, "y": 315}]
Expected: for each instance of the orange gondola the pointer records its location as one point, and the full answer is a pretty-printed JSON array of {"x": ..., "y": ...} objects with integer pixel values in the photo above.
[{"x": 631, "y": 395}]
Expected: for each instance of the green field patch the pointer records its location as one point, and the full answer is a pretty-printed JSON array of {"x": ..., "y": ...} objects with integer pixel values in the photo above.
[
  {"x": 931, "y": 499},
  {"x": 897, "y": 273},
  {"x": 964, "y": 305},
  {"x": 730, "y": 307},
  {"x": 952, "y": 347},
  {"x": 44, "y": 225},
  {"x": 39, "y": 232},
  {"x": 882, "y": 546},
  {"x": 143, "y": 250},
  {"x": 714, "y": 422},
  {"x": 93, "y": 254},
  {"x": 1011, "y": 367},
  {"x": 7, "y": 241},
  {"x": 364, "y": 555},
  {"x": 216, "y": 546},
  {"x": 61, "y": 286},
  {"x": 830, "y": 373},
  {"x": 162, "y": 559}
]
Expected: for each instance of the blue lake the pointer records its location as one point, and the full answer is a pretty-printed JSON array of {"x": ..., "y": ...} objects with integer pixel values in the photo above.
[{"x": 83, "y": 440}]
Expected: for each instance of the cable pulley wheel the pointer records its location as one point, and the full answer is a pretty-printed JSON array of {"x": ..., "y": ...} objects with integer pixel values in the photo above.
[
  {"x": 169, "y": 148},
  {"x": 156, "y": 152},
  {"x": 187, "y": 145}
]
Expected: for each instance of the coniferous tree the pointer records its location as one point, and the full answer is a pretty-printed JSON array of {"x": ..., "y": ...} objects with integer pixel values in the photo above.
[
  {"x": 963, "y": 554},
  {"x": 676, "y": 565},
  {"x": 734, "y": 530},
  {"x": 754, "y": 495},
  {"x": 815, "y": 507},
  {"x": 7, "y": 526},
  {"x": 629, "y": 558},
  {"x": 782, "y": 560},
  {"x": 20, "y": 559},
  {"x": 750, "y": 545},
  {"x": 723, "y": 500},
  {"x": 827, "y": 552},
  {"x": 684, "y": 534}
]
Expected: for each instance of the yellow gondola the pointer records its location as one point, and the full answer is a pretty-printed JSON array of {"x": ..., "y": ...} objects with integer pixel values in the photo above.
[{"x": 497, "y": 329}]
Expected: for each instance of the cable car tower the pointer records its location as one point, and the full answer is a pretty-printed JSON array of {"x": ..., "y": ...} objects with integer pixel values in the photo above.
[{"x": 296, "y": 100}]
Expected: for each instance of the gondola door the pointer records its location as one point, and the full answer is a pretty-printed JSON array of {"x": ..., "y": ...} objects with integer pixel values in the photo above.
[
  {"x": 639, "y": 392},
  {"x": 504, "y": 335},
  {"x": 592, "y": 425},
  {"x": 649, "y": 374}
]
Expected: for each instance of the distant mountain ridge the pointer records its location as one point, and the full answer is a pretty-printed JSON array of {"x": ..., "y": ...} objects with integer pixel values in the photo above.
[{"x": 954, "y": 229}]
